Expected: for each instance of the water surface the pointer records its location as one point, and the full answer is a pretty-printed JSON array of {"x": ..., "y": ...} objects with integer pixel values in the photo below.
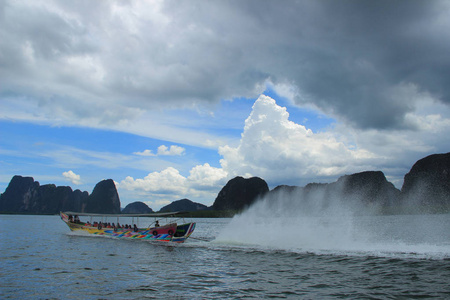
[{"x": 374, "y": 257}]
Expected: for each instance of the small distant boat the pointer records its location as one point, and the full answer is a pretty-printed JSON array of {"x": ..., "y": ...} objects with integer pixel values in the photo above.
[{"x": 171, "y": 232}]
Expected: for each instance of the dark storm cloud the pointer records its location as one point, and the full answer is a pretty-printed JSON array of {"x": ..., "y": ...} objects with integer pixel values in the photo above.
[
  {"x": 350, "y": 58},
  {"x": 370, "y": 50},
  {"x": 364, "y": 62}
]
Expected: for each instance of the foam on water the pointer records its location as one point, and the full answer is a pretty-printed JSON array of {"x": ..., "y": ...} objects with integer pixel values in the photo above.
[{"x": 341, "y": 228}]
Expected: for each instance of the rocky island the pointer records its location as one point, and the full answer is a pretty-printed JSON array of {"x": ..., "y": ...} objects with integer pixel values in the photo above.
[{"x": 426, "y": 189}]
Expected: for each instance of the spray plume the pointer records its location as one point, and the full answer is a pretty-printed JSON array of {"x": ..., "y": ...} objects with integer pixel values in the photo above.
[{"x": 323, "y": 221}]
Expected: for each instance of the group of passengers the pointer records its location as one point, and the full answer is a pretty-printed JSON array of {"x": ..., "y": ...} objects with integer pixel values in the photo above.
[
  {"x": 100, "y": 225},
  {"x": 112, "y": 225},
  {"x": 75, "y": 219},
  {"x": 109, "y": 225}
]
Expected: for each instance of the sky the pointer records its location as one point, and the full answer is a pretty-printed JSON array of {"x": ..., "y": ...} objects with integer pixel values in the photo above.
[{"x": 171, "y": 99}]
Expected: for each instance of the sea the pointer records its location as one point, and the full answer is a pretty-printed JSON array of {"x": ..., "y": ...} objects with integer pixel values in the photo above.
[{"x": 250, "y": 257}]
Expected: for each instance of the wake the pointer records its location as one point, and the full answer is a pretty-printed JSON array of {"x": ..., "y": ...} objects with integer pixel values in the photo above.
[{"x": 337, "y": 228}]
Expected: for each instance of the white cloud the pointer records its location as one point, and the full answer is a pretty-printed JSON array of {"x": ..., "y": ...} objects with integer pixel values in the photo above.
[
  {"x": 168, "y": 181},
  {"x": 282, "y": 152},
  {"x": 145, "y": 153},
  {"x": 275, "y": 148},
  {"x": 203, "y": 183},
  {"x": 173, "y": 150},
  {"x": 72, "y": 177},
  {"x": 163, "y": 151},
  {"x": 205, "y": 176}
]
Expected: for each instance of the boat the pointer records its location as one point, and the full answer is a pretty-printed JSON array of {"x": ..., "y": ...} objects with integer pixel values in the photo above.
[{"x": 171, "y": 232}]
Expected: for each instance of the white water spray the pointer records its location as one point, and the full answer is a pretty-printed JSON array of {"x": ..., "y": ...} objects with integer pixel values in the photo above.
[{"x": 285, "y": 221}]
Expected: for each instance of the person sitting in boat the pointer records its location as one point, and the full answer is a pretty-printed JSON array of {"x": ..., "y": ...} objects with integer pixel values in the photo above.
[
  {"x": 77, "y": 219},
  {"x": 156, "y": 223},
  {"x": 135, "y": 228},
  {"x": 70, "y": 218}
]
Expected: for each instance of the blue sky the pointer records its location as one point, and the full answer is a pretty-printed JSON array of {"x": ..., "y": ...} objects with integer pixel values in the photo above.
[
  {"x": 46, "y": 151},
  {"x": 171, "y": 103}
]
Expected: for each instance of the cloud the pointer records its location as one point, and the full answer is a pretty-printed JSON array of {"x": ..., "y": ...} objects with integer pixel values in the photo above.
[
  {"x": 273, "y": 147},
  {"x": 72, "y": 177},
  {"x": 380, "y": 69},
  {"x": 173, "y": 150},
  {"x": 163, "y": 151},
  {"x": 145, "y": 153},
  {"x": 203, "y": 183},
  {"x": 168, "y": 181},
  {"x": 347, "y": 59},
  {"x": 205, "y": 177},
  {"x": 283, "y": 152}
]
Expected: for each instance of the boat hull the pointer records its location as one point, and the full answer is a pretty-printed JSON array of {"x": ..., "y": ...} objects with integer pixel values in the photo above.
[{"x": 167, "y": 233}]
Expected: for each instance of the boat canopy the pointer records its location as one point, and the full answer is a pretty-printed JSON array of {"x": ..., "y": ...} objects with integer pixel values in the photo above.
[{"x": 152, "y": 215}]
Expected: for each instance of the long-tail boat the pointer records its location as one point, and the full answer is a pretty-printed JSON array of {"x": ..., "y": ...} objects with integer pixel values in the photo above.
[{"x": 171, "y": 232}]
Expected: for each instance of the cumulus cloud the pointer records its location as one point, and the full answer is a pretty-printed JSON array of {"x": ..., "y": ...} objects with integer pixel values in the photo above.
[
  {"x": 203, "y": 182},
  {"x": 163, "y": 150},
  {"x": 284, "y": 152},
  {"x": 173, "y": 150},
  {"x": 72, "y": 177},
  {"x": 273, "y": 147},
  {"x": 205, "y": 177},
  {"x": 168, "y": 181}
]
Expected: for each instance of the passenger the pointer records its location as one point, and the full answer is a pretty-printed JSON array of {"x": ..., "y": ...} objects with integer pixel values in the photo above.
[
  {"x": 135, "y": 228},
  {"x": 70, "y": 218},
  {"x": 77, "y": 220},
  {"x": 156, "y": 223}
]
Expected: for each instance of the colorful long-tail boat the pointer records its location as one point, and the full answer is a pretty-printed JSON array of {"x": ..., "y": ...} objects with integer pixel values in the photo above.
[{"x": 171, "y": 232}]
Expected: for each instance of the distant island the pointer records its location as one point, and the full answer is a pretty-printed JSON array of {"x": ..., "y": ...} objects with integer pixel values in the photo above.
[{"x": 426, "y": 189}]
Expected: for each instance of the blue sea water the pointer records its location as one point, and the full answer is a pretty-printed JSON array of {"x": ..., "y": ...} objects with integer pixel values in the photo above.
[{"x": 377, "y": 257}]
